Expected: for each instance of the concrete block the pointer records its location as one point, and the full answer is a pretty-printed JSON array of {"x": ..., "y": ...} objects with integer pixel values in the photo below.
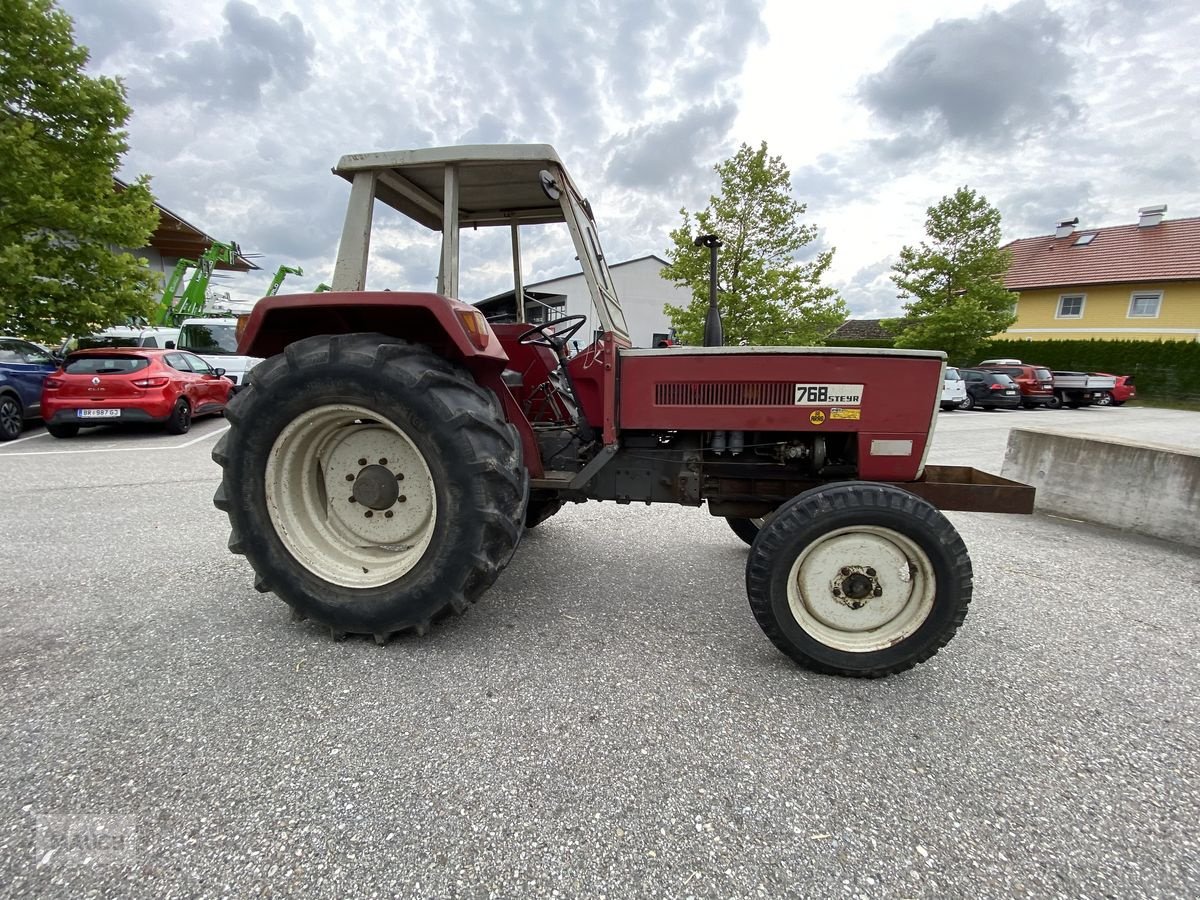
[{"x": 1151, "y": 489}]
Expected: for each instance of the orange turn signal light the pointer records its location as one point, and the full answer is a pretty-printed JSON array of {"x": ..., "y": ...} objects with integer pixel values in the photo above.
[{"x": 476, "y": 327}]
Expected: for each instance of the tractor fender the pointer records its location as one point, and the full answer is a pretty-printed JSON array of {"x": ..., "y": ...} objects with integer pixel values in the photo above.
[{"x": 421, "y": 317}]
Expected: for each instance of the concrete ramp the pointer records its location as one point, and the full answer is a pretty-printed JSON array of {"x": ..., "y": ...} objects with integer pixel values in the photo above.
[{"x": 1151, "y": 489}]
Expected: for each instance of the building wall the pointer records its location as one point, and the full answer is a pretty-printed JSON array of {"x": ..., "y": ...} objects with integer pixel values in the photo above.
[
  {"x": 1105, "y": 313},
  {"x": 640, "y": 289}
]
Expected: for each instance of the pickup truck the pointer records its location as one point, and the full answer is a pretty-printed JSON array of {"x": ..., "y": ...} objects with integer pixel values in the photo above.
[{"x": 1076, "y": 389}]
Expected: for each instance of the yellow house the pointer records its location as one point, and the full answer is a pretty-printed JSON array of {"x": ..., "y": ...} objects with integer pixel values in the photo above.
[{"x": 1127, "y": 282}]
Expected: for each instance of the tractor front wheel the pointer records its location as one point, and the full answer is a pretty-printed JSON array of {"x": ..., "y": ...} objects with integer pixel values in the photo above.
[
  {"x": 371, "y": 483},
  {"x": 859, "y": 579}
]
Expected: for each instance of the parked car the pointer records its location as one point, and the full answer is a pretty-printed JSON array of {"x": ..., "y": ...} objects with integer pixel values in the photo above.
[
  {"x": 1076, "y": 389},
  {"x": 989, "y": 390},
  {"x": 23, "y": 369},
  {"x": 121, "y": 386},
  {"x": 124, "y": 336},
  {"x": 954, "y": 390},
  {"x": 1123, "y": 390},
  {"x": 1035, "y": 382},
  {"x": 216, "y": 340}
]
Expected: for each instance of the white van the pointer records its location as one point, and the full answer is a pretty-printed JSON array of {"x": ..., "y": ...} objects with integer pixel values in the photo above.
[
  {"x": 215, "y": 341},
  {"x": 124, "y": 336}
]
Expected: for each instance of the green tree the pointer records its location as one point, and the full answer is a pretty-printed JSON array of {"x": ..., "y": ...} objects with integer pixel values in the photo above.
[
  {"x": 766, "y": 294},
  {"x": 61, "y": 140},
  {"x": 955, "y": 280}
]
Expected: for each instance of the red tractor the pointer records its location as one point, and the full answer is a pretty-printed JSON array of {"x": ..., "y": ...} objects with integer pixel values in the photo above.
[{"x": 384, "y": 461}]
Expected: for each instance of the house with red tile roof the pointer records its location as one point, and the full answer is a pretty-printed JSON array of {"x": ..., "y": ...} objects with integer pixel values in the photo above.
[{"x": 1126, "y": 282}]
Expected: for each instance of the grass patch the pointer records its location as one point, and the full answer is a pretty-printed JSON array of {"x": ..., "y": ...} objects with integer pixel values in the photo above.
[{"x": 1190, "y": 405}]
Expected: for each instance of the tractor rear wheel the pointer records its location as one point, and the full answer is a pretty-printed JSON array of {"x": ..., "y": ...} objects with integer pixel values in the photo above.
[
  {"x": 859, "y": 579},
  {"x": 371, "y": 483}
]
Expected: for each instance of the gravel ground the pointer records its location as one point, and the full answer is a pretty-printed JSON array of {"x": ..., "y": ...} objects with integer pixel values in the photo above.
[{"x": 608, "y": 722}]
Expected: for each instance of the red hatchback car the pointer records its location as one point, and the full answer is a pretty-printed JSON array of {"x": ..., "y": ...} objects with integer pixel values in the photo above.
[{"x": 120, "y": 386}]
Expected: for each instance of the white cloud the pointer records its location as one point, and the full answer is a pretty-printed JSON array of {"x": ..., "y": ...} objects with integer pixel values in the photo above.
[{"x": 1051, "y": 109}]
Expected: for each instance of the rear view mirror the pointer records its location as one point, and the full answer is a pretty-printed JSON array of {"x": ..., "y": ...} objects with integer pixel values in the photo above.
[
  {"x": 170, "y": 345},
  {"x": 218, "y": 372}
]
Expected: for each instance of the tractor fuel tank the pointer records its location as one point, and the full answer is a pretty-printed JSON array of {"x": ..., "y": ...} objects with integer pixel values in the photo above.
[{"x": 888, "y": 398}]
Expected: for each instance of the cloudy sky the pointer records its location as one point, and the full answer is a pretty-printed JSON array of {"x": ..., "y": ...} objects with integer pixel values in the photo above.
[{"x": 1051, "y": 108}]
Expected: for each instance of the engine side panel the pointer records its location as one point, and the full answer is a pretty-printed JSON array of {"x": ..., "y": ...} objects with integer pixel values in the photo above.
[{"x": 886, "y": 400}]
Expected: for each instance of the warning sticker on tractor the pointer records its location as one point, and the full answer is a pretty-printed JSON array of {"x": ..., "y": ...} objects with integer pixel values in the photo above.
[
  {"x": 817, "y": 417},
  {"x": 826, "y": 394},
  {"x": 852, "y": 414}
]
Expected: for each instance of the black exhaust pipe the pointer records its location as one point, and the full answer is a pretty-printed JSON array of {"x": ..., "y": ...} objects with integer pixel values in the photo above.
[{"x": 713, "y": 334}]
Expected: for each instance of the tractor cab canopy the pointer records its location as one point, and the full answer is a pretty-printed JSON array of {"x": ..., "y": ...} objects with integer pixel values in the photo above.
[{"x": 447, "y": 189}]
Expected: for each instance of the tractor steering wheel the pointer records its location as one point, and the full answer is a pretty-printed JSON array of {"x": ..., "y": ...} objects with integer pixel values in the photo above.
[{"x": 538, "y": 337}]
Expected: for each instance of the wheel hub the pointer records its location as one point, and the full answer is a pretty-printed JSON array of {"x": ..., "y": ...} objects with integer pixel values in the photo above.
[
  {"x": 854, "y": 586},
  {"x": 375, "y": 486},
  {"x": 351, "y": 496},
  {"x": 861, "y": 588}
]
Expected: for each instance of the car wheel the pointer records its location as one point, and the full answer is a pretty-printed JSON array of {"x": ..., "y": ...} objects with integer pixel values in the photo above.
[
  {"x": 859, "y": 579},
  {"x": 63, "y": 430},
  {"x": 1055, "y": 402},
  {"x": 967, "y": 402},
  {"x": 12, "y": 419},
  {"x": 181, "y": 418},
  {"x": 1105, "y": 399}
]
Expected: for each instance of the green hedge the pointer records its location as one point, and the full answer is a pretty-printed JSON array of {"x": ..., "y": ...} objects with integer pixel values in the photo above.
[
  {"x": 870, "y": 343},
  {"x": 1164, "y": 370}
]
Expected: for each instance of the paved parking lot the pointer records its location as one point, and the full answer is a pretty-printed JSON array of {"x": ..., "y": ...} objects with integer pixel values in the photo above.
[{"x": 608, "y": 722}]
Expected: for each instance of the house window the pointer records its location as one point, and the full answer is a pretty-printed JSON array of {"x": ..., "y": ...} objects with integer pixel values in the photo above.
[
  {"x": 1145, "y": 304},
  {"x": 1084, "y": 239},
  {"x": 1070, "y": 306}
]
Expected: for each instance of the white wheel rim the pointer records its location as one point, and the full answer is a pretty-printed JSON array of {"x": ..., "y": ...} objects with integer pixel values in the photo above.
[
  {"x": 827, "y": 581},
  {"x": 325, "y": 457}
]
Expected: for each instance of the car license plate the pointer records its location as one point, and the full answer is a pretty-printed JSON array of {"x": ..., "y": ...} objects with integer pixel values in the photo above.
[
  {"x": 1010, "y": 391},
  {"x": 98, "y": 413}
]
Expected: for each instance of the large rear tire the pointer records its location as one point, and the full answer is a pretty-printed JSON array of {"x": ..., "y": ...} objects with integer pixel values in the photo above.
[
  {"x": 859, "y": 579},
  {"x": 371, "y": 483}
]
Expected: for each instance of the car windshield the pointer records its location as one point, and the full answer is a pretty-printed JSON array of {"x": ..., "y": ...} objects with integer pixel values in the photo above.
[
  {"x": 1042, "y": 374},
  {"x": 100, "y": 341},
  {"x": 1002, "y": 378},
  {"x": 104, "y": 365},
  {"x": 213, "y": 338},
  {"x": 1014, "y": 373}
]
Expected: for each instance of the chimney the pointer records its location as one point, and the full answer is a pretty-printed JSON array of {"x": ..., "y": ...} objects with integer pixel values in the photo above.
[
  {"x": 1066, "y": 228},
  {"x": 1149, "y": 216}
]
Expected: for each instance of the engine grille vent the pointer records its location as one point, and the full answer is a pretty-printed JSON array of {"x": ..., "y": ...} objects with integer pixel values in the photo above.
[{"x": 725, "y": 393}]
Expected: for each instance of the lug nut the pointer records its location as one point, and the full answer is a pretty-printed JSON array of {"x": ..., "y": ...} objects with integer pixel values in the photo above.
[
  {"x": 383, "y": 462},
  {"x": 349, "y": 477},
  {"x": 401, "y": 499},
  {"x": 368, "y": 514},
  {"x": 352, "y": 500},
  {"x": 870, "y": 572},
  {"x": 362, "y": 462},
  {"x": 845, "y": 570},
  {"x": 388, "y": 514},
  {"x": 399, "y": 476},
  {"x": 878, "y": 592}
]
